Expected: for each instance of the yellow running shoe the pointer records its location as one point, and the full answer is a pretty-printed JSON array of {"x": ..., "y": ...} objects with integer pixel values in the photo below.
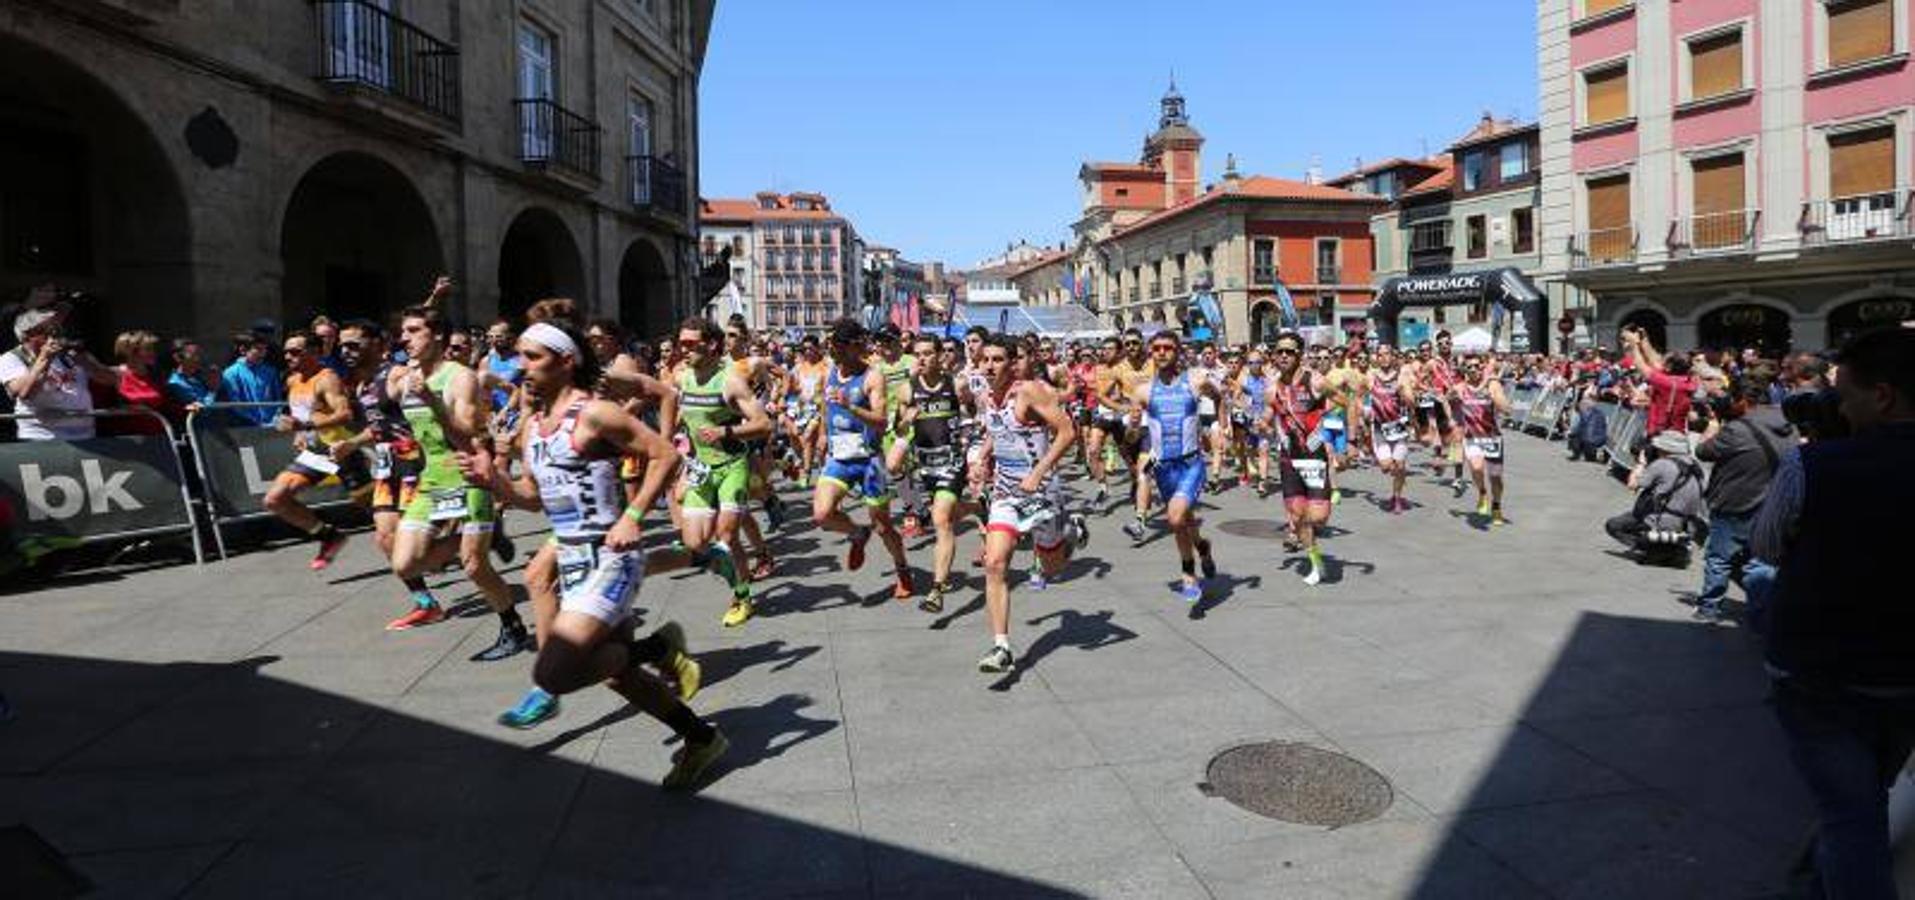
[
  {"x": 1496, "y": 517},
  {"x": 683, "y": 666},
  {"x": 693, "y": 760},
  {"x": 1482, "y": 509},
  {"x": 738, "y": 614}
]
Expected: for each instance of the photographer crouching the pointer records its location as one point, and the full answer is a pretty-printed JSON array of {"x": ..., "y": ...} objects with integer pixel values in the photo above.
[
  {"x": 1841, "y": 625},
  {"x": 1745, "y": 439},
  {"x": 1667, "y": 515}
]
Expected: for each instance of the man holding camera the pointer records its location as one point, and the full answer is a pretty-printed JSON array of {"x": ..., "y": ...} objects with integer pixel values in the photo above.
[
  {"x": 49, "y": 374},
  {"x": 1744, "y": 440}
]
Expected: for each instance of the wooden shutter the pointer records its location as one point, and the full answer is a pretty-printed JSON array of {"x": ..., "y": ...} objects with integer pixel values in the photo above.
[
  {"x": 1862, "y": 162},
  {"x": 1719, "y": 184},
  {"x": 1595, "y": 7},
  {"x": 1715, "y": 65},
  {"x": 1606, "y": 95},
  {"x": 1860, "y": 30},
  {"x": 1609, "y": 222}
]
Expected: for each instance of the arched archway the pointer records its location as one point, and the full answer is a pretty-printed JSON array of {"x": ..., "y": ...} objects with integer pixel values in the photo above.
[
  {"x": 91, "y": 201},
  {"x": 1742, "y": 324},
  {"x": 646, "y": 302},
  {"x": 538, "y": 259},
  {"x": 1860, "y": 316},
  {"x": 357, "y": 241},
  {"x": 1651, "y": 322},
  {"x": 1265, "y": 322}
]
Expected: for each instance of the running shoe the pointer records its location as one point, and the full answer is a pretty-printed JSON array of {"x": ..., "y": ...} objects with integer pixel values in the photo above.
[
  {"x": 535, "y": 707},
  {"x": 854, "y": 558},
  {"x": 763, "y": 568},
  {"x": 693, "y": 759},
  {"x": 1079, "y": 531},
  {"x": 1191, "y": 591},
  {"x": 998, "y": 660},
  {"x": 328, "y": 551},
  {"x": 1134, "y": 529},
  {"x": 1102, "y": 494},
  {"x": 503, "y": 546},
  {"x": 774, "y": 511},
  {"x": 1399, "y": 505},
  {"x": 1036, "y": 582},
  {"x": 1482, "y": 507},
  {"x": 911, "y": 527},
  {"x": 686, "y": 669},
  {"x": 1711, "y": 612},
  {"x": 512, "y": 641},
  {"x": 1336, "y": 496},
  {"x": 1315, "y": 575},
  {"x": 418, "y": 616},
  {"x": 738, "y": 613},
  {"x": 934, "y": 601},
  {"x": 1496, "y": 516},
  {"x": 904, "y": 590}
]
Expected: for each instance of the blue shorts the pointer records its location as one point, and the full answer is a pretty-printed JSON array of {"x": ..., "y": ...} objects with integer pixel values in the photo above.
[
  {"x": 1183, "y": 477},
  {"x": 863, "y": 478},
  {"x": 1337, "y": 439}
]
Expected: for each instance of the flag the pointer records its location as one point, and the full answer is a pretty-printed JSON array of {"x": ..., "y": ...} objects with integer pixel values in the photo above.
[
  {"x": 913, "y": 314},
  {"x": 1003, "y": 321},
  {"x": 1287, "y": 306}
]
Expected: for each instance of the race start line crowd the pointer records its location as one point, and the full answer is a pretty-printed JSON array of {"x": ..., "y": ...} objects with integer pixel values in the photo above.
[{"x": 437, "y": 430}]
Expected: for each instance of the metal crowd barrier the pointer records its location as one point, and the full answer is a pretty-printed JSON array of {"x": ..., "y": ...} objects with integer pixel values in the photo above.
[
  {"x": 1545, "y": 414},
  {"x": 1520, "y": 402},
  {"x": 100, "y": 488},
  {"x": 237, "y": 464},
  {"x": 1625, "y": 429}
]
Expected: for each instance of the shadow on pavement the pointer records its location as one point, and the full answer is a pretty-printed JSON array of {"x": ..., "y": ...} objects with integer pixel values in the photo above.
[
  {"x": 220, "y": 780},
  {"x": 1085, "y": 631}
]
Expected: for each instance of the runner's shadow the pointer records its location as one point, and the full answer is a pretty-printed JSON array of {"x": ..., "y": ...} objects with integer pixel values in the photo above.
[
  {"x": 367, "y": 575},
  {"x": 1085, "y": 631},
  {"x": 806, "y": 566},
  {"x": 1333, "y": 567},
  {"x": 578, "y": 731},
  {"x": 725, "y": 662},
  {"x": 790, "y": 597},
  {"x": 944, "y": 621},
  {"x": 1220, "y": 589},
  {"x": 762, "y": 732},
  {"x": 1080, "y": 566},
  {"x": 1469, "y": 516}
]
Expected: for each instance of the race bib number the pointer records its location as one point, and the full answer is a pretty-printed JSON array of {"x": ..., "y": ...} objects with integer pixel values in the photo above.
[
  {"x": 449, "y": 504},
  {"x": 1491, "y": 447},
  {"x": 381, "y": 461},
  {"x": 1394, "y": 431},
  {"x": 1033, "y": 511},
  {"x": 849, "y": 446},
  {"x": 696, "y": 471},
  {"x": 316, "y": 462},
  {"x": 1333, "y": 423},
  {"x": 937, "y": 457},
  {"x": 576, "y": 563},
  {"x": 1314, "y": 472},
  {"x": 1425, "y": 401}
]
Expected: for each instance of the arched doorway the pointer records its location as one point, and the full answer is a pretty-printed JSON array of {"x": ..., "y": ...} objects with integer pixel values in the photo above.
[
  {"x": 88, "y": 201},
  {"x": 646, "y": 303},
  {"x": 1851, "y": 319},
  {"x": 1265, "y": 322},
  {"x": 1741, "y": 325},
  {"x": 357, "y": 242},
  {"x": 538, "y": 259},
  {"x": 1652, "y": 323}
]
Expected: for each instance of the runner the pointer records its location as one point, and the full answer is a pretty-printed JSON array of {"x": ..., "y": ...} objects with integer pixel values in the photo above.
[
  {"x": 759, "y": 376},
  {"x": 932, "y": 406},
  {"x": 1480, "y": 403},
  {"x": 1341, "y": 417},
  {"x": 897, "y": 366},
  {"x": 1439, "y": 374},
  {"x": 1026, "y": 435},
  {"x": 1390, "y": 399},
  {"x": 1126, "y": 377},
  {"x": 1107, "y": 424},
  {"x": 1296, "y": 409},
  {"x": 1246, "y": 422},
  {"x": 319, "y": 417},
  {"x": 570, "y": 470},
  {"x": 720, "y": 415},
  {"x": 806, "y": 421},
  {"x": 445, "y": 407},
  {"x": 854, "y": 415},
  {"x": 1208, "y": 369},
  {"x": 1173, "y": 408}
]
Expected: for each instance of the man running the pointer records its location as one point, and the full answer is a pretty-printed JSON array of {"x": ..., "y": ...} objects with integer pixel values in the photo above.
[
  {"x": 1107, "y": 424},
  {"x": 319, "y": 417},
  {"x": 1480, "y": 404},
  {"x": 896, "y": 366},
  {"x": 854, "y": 417},
  {"x": 1026, "y": 435},
  {"x": 1303, "y": 468},
  {"x": 1173, "y": 413},
  {"x": 446, "y": 408},
  {"x": 806, "y": 398},
  {"x": 933, "y": 404},
  {"x": 720, "y": 415},
  {"x": 1125, "y": 378},
  {"x": 395, "y": 460},
  {"x": 1439, "y": 375},
  {"x": 570, "y": 470},
  {"x": 1390, "y": 399}
]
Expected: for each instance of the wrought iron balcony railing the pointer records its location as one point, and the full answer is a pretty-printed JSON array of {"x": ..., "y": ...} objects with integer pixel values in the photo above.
[
  {"x": 1603, "y": 247},
  {"x": 551, "y": 135},
  {"x": 1864, "y": 217},
  {"x": 361, "y": 45},
  {"x": 656, "y": 184},
  {"x": 1730, "y": 231}
]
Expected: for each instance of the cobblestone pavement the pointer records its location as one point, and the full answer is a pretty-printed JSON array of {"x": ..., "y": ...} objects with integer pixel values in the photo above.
[{"x": 1550, "y": 720}]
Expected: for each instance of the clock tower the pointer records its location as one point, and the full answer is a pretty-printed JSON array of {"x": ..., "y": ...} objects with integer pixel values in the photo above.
[{"x": 1175, "y": 149}]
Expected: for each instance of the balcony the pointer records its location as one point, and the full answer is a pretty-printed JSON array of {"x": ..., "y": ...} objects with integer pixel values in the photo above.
[
  {"x": 363, "y": 47},
  {"x": 1857, "y": 219},
  {"x": 1603, "y": 247},
  {"x": 1177, "y": 286},
  {"x": 1329, "y": 274},
  {"x": 553, "y": 137},
  {"x": 656, "y": 184},
  {"x": 1731, "y": 231}
]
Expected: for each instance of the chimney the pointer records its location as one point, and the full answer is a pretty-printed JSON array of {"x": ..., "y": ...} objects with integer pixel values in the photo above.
[{"x": 1231, "y": 180}]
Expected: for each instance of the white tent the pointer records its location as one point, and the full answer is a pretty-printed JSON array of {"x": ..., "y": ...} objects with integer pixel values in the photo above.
[{"x": 1473, "y": 340}]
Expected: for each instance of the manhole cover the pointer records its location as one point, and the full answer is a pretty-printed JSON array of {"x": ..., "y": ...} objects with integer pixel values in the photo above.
[
  {"x": 1298, "y": 783},
  {"x": 1266, "y": 529}
]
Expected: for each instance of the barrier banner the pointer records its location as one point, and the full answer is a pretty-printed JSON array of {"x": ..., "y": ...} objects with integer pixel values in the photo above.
[
  {"x": 1547, "y": 409},
  {"x": 92, "y": 489},
  {"x": 1624, "y": 431},
  {"x": 239, "y": 462},
  {"x": 1520, "y": 401}
]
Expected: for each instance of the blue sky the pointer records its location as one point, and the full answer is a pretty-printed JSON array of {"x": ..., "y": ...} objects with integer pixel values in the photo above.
[{"x": 947, "y": 129}]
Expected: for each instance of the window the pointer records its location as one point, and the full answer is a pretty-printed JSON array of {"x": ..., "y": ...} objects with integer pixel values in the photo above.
[
  {"x": 1514, "y": 161},
  {"x": 358, "y": 42},
  {"x": 1523, "y": 223},
  {"x": 771, "y": 316},
  {"x": 535, "y": 83},
  {"x": 804, "y": 232},
  {"x": 1477, "y": 228},
  {"x": 1606, "y": 95},
  {"x": 638, "y": 115},
  {"x": 1611, "y": 234},
  {"x": 811, "y": 258},
  {"x": 1473, "y": 170},
  {"x": 1718, "y": 202},
  {"x": 738, "y": 245},
  {"x": 1328, "y": 271},
  {"x": 1426, "y": 237},
  {"x": 1263, "y": 262},
  {"x": 1860, "y": 30},
  {"x": 1862, "y": 163},
  {"x": 1382, "y": 184},
  {"x": 1123, "y": 192},
  {"x": 1715, "y": 65},
  {"x": 831, "y": 258},
  {"x": 791, "y": 235},
  {"x": 767, "y": 202}
]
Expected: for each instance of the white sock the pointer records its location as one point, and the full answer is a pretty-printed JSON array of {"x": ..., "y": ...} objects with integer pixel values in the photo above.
[{"x": 1002, "y": 640}]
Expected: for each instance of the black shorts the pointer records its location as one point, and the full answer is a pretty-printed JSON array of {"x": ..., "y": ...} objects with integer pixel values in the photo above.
[
  {"x": 1438, "y": 413},
  {"x": 1305, "y": 477},
  {"x": 1206, "y": 421},
  {"x": 1111, "y": 425}
]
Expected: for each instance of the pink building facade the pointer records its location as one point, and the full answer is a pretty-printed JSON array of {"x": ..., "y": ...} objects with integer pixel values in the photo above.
[{"x": 1728, "y": 173}]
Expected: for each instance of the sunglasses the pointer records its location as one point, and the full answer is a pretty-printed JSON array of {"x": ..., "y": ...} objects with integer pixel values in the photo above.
[
  {"x": 692, "y": 344},
  {"x": 351, "y": 345},
  {"x": 1284, "y": 351}
]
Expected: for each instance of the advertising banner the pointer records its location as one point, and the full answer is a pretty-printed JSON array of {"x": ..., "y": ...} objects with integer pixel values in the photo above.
[{"x": 94, "y": 488}]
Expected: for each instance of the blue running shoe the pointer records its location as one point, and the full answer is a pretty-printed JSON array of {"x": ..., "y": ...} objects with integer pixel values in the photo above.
[
  {"x": 1191, "y": 591},
  {"x": 535, "y": 707}
]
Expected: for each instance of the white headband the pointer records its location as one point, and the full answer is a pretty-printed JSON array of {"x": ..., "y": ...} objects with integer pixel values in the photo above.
[{"x": 551, "y": 338}]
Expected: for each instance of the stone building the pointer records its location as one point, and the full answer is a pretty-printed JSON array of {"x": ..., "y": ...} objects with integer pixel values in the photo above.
[{"x": 196, "y": 169}]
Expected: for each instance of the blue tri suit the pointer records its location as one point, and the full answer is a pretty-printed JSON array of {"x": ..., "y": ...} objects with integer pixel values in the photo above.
[
  {"x": 851, "y": 445},
  {"x": 1174, "y": 438}
]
